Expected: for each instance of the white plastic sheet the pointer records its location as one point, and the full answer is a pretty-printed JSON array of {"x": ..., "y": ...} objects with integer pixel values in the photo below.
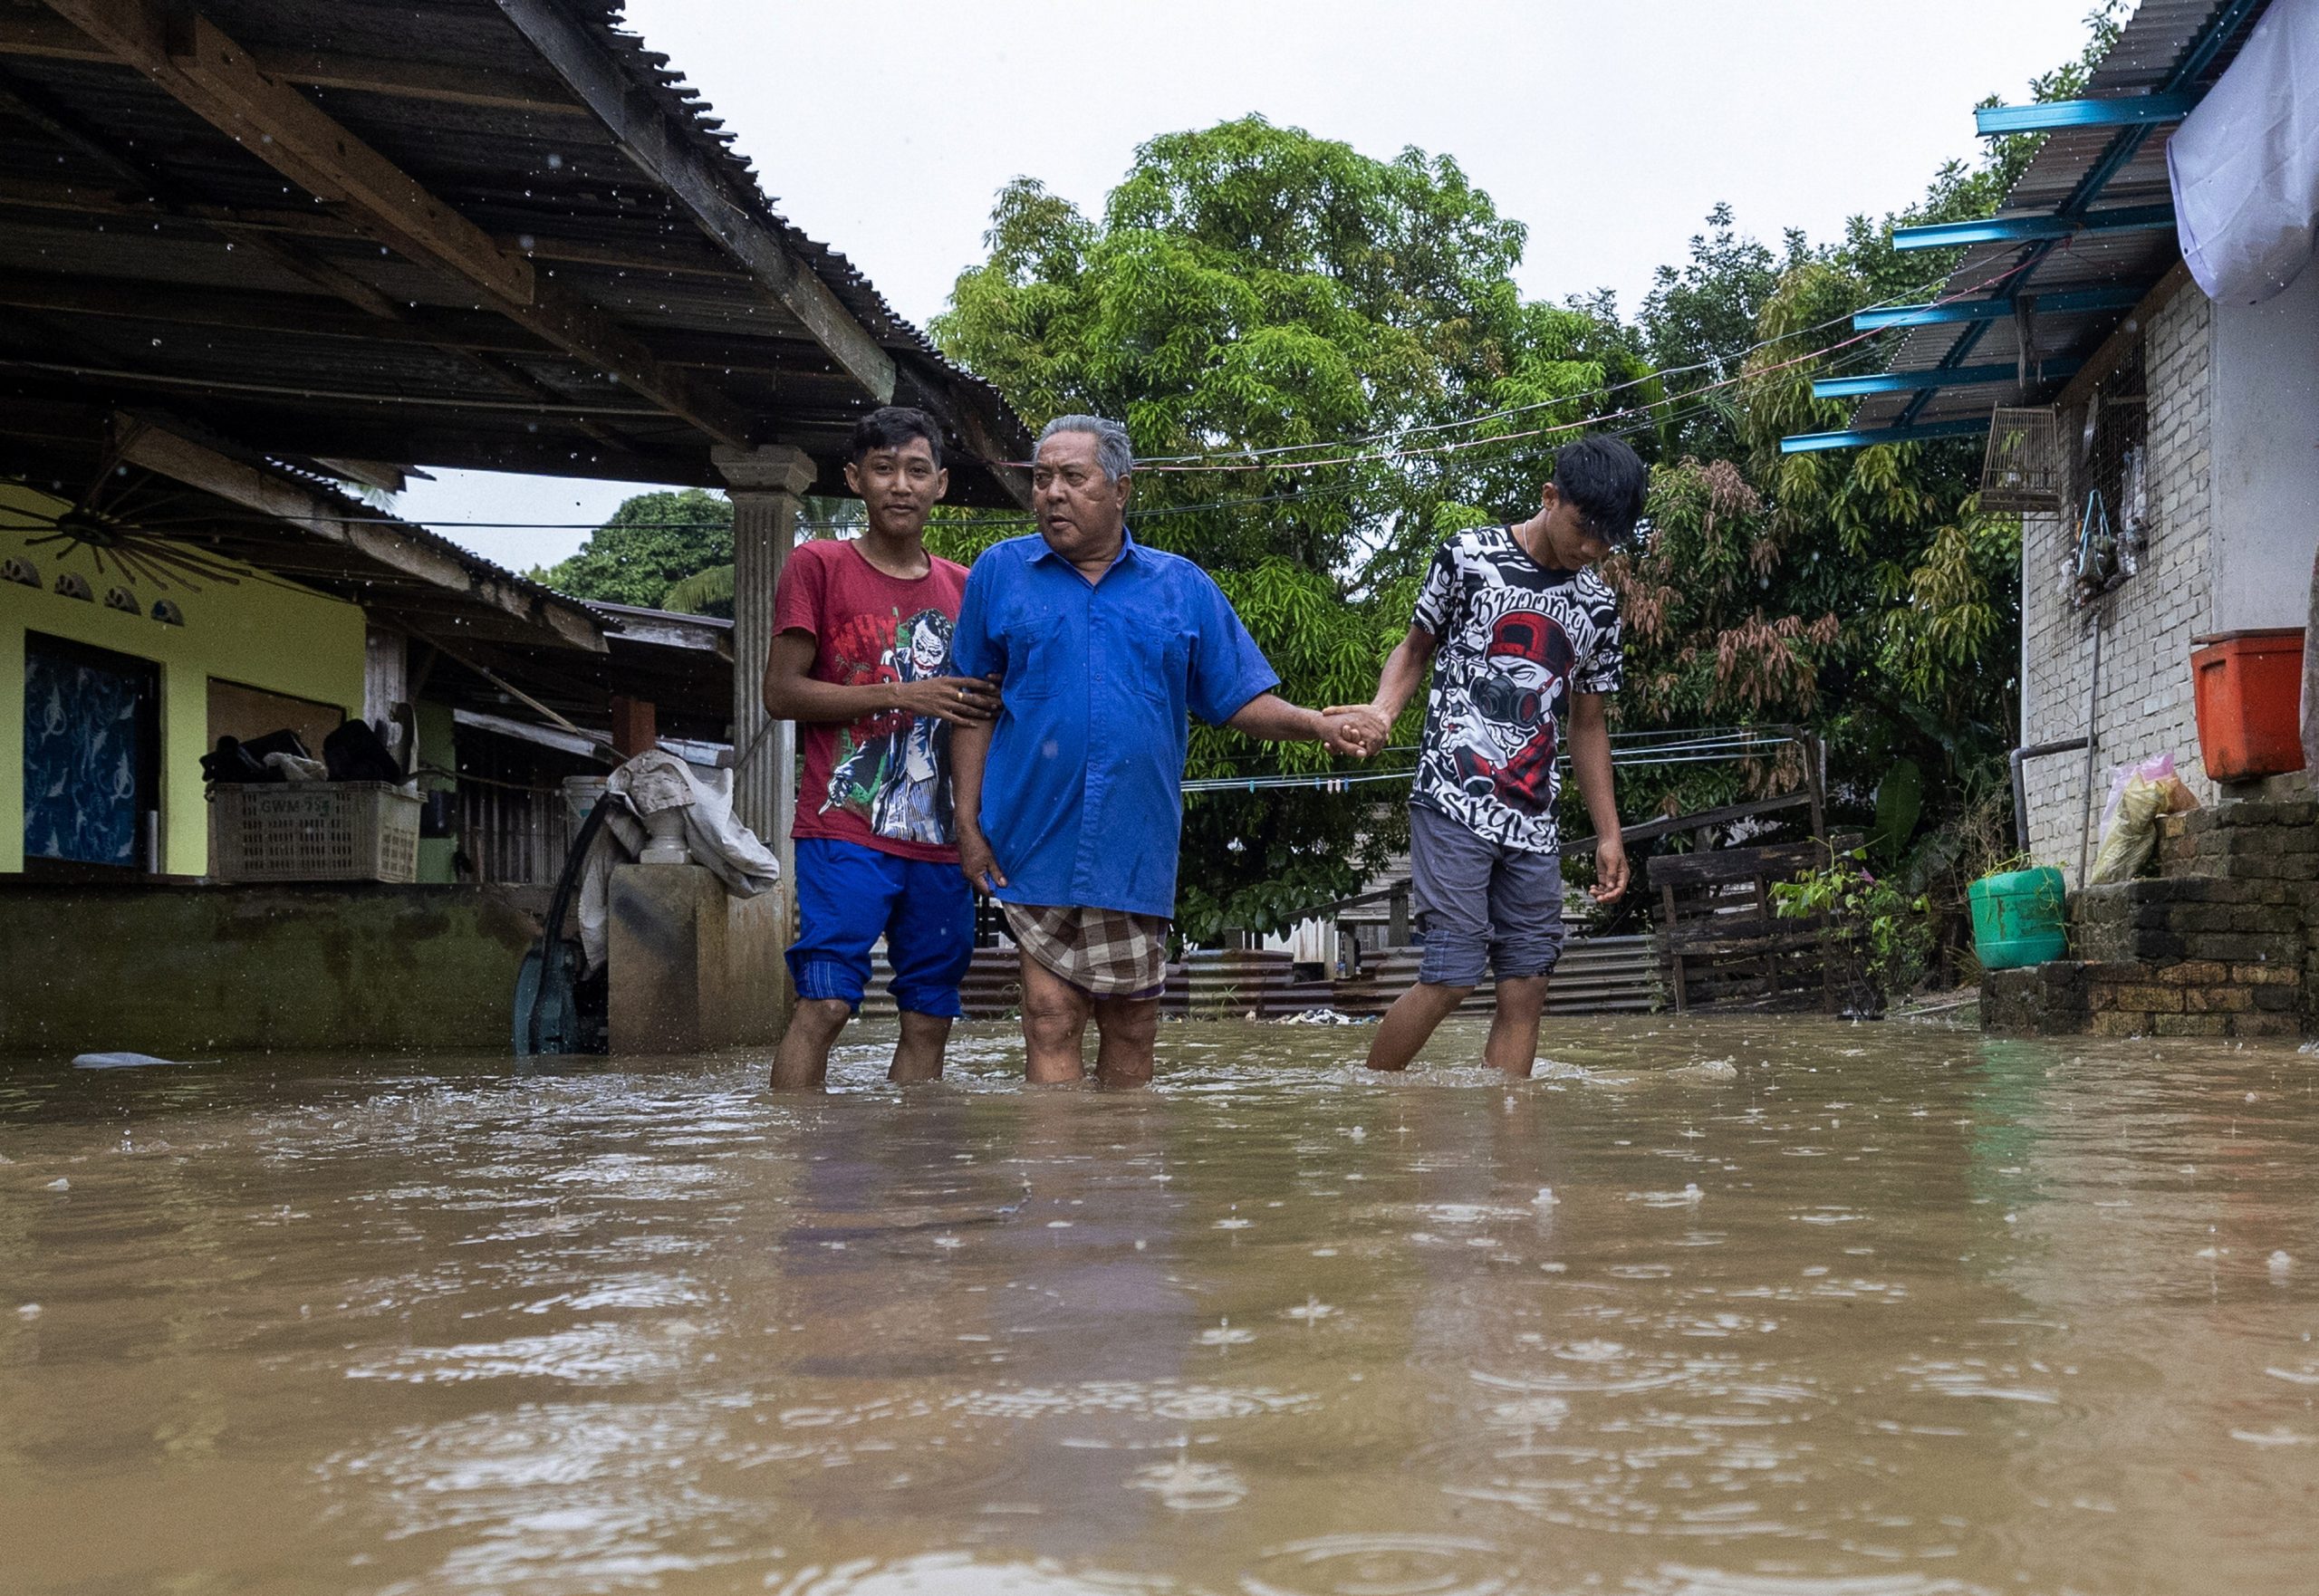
[
  {"x": 656, "y": 781},
  {"x": 2244, "y": 165}
]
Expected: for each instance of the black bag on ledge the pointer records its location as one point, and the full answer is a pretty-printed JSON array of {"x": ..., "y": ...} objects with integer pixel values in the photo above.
[
  {"x": 354, "y": 753},
  {"x": 235, "y": 761}
]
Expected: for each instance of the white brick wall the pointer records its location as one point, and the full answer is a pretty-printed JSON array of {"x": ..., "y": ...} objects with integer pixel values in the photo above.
[{"x": 2144, "y": 705}]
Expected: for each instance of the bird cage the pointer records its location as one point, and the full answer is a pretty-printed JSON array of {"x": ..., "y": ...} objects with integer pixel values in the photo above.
[{"x": 2024, "y": 469}]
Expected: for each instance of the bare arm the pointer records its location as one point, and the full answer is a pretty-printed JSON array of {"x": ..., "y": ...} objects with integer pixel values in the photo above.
[
  {"x": 790, "y": 693},
  {"x": 1590, "y": 762},
  {"x": 1405, "y": 669},
  {"x": 969, "y": 754},
  {"x": 1404, "y": 672},
  {"x": 1273, "y": 719}
]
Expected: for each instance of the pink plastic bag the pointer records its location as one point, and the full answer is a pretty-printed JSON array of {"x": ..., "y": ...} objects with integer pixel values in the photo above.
[{"x": 2155, "y": 770}]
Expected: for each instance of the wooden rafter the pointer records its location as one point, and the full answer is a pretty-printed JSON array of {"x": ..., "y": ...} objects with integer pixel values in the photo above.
[
  {"x": 145, "y": 443},
  {"x": 47, "y": 39},
  {"x": 672, "y": 259},
  {"x": 645, "y": 135},
  {"x": 214, "y": 77}
]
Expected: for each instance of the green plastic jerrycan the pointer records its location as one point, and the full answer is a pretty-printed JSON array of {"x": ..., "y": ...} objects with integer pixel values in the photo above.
[{"x": 2017, "y": 918}]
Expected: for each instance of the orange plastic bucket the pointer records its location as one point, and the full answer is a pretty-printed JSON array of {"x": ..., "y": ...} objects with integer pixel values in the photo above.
[{"x": 2249, "y": 690}]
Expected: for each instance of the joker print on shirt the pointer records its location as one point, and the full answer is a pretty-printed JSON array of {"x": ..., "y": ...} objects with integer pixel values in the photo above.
[{"x": 897, "y": 778}]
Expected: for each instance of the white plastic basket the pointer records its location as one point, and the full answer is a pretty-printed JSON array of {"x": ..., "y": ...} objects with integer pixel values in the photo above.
[{"x": 312, "y": 832}]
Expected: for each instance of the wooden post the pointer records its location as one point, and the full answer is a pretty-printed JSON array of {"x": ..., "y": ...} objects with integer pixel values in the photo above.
[
  {"x": 635, "y": 726},
  {"x": 1397, "y": 914},
  {"x": 763, "y": 485},
  {"x": 1674, "y": 950},
  {"x": 1816, "y": 781}
]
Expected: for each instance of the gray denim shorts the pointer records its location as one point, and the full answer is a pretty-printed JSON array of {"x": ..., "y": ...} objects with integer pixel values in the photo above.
[{"x": 1481, "y": 904}]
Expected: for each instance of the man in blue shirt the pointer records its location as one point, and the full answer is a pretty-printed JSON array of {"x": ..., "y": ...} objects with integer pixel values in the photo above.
[{"x": 1069, "y": 806}]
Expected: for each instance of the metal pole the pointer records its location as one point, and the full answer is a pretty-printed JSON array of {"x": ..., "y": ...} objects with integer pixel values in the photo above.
[
  {"x": 2092, "y": 706},
  {"x": 2019, "y": 759}
]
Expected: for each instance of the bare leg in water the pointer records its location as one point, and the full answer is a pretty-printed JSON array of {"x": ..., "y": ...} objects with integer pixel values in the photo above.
[
  {"x": 803, "y": 1062},
  {"x": 1055, "y": 1026},
  {"x": 1417, "y": 1014}
]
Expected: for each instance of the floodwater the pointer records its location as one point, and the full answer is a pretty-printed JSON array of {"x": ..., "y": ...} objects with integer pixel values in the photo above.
[{"x": 1708, "y": 1309}]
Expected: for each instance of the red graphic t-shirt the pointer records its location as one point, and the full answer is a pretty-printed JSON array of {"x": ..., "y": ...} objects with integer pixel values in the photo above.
[{"x": 882, "y": 780}]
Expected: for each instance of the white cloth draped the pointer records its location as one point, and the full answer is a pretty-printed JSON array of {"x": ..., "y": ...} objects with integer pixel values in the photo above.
[
  {"x": 656, "y": 781},
  {"x": 2244, "y": 165}
]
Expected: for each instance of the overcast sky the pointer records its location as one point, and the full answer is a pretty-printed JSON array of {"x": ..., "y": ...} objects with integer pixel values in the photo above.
[{"x": 1608, "y": 126}]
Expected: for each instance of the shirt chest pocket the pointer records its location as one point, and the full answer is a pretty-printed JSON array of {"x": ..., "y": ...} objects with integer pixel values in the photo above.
[
  {"x": 1038, "y": 668},
  {"x": 1153, "y": 663}
]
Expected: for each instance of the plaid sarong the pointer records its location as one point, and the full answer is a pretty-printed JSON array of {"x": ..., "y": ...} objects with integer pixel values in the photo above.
[{"x": 1107, "y": 952}]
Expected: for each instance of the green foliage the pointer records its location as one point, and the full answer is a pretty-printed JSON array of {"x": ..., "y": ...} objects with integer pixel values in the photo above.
[
  {"x": 1697, "y": 318},
  {"x": 652, "y": 541},
  {"x": 1900, "y": 804},
  {"x": 704, "y": 592},
  {"x": 1249, "y": 287},
  {"x": 1254, "y": 287},
  {"x": 1882, "y": 936}
]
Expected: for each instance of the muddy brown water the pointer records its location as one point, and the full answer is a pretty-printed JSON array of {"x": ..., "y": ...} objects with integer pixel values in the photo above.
[{"x": 1715, "y": 1308}]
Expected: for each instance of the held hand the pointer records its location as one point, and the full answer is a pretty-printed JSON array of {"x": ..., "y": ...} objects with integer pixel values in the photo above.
[
  {"x": 980, "y": 864},
  {"x": 1610, "y": 871},
  {"x": 1355, "y": 729},
  {"x": 962, "y": 701}
]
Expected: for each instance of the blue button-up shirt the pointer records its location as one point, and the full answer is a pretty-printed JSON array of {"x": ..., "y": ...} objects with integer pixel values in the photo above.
[{"x": 1081, "y": 798}]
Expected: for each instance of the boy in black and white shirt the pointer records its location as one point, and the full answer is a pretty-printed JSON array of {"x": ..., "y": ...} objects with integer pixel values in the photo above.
[{"x": 1523, "y": 637}]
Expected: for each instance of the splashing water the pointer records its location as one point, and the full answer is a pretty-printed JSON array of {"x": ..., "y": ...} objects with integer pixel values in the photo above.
[{"x": 1713, "y": 1308}]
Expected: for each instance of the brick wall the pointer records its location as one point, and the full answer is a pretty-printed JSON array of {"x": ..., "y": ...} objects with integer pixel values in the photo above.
[
  {"x": 2144, "y": 705},
  {"x": 2224, "y": 943}
]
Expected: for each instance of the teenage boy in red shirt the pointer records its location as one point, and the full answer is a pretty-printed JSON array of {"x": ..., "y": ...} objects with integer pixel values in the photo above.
[{"x": 860, "y": 660}]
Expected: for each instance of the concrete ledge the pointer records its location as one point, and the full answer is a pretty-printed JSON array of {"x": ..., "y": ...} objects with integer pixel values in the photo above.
[
  {"x": 199, "y": 969},
  {"x": 692, "y": 968}
]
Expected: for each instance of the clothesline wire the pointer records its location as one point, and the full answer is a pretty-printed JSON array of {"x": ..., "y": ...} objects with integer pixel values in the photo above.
[
  {"x": 1239, "y": 460},
  {"x": 1650, "y": 741},
  {"x": 1713, "y": 363},
  {"x": 1704, "y": 755}
]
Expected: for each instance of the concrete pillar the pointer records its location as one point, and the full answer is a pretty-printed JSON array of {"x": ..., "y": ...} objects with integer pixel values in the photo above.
[
  {"x": 764, "y": 485},
  {"x": 666, "y": 948},
  {"x": 691, "y": 968}
]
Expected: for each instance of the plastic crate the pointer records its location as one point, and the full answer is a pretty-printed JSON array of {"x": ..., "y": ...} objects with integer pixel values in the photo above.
[{"x": 312, "y": 832}]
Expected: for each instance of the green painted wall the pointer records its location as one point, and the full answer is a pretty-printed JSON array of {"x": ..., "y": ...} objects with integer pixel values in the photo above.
[
  {"x": 187, "y": 971},
  {"x": 437, "y": 745},
  {"x": 262, "y": 632}
]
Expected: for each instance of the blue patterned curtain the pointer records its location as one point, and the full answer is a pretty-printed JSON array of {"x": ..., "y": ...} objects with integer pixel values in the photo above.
[{"x": 82, "y": 748}]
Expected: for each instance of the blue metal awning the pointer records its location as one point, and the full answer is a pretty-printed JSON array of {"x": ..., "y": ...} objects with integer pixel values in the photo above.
[
  {"x": 2125, "y": 112},
  {"x": 2023, "y": 229},
  {"x": 2083, "y": 235},
  {"x": 1804, "y": 443},
  {"x": 1939, "y": 377}
]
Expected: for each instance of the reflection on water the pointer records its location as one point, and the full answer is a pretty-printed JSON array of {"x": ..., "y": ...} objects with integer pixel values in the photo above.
[{"x": 1705, "y": 1310}]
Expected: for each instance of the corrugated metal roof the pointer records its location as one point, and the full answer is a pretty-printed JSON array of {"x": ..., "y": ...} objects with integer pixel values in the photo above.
[
  {"x": 2147, "y": 53},
  {"x": 147, "y": 258}
]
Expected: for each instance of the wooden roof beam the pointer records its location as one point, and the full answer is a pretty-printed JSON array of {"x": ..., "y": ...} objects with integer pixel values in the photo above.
[
  {"x": 646, "y": 137},
  {"x": 147, "y": 443},
  {"x": 44, "y": 38},
  {"x": 215, "y": 78}
]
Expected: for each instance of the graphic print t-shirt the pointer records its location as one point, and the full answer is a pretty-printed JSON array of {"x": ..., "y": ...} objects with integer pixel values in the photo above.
[
  {"x": 882, "y": 780},
  {"x": 1514, "y": 639}
]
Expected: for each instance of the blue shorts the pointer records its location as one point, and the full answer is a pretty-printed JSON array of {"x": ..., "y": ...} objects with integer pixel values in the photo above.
[{"x": 849, "y": 895}]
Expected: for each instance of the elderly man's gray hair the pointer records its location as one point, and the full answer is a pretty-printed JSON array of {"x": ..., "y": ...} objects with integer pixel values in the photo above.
[{"x": 1114, "y": 453}]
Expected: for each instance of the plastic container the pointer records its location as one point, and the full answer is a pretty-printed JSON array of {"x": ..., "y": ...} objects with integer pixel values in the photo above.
[
  {"x": 2249, "y": 692},
  {"x": 2017, "y": 918},
  {"x": 313, "y": 832}
]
